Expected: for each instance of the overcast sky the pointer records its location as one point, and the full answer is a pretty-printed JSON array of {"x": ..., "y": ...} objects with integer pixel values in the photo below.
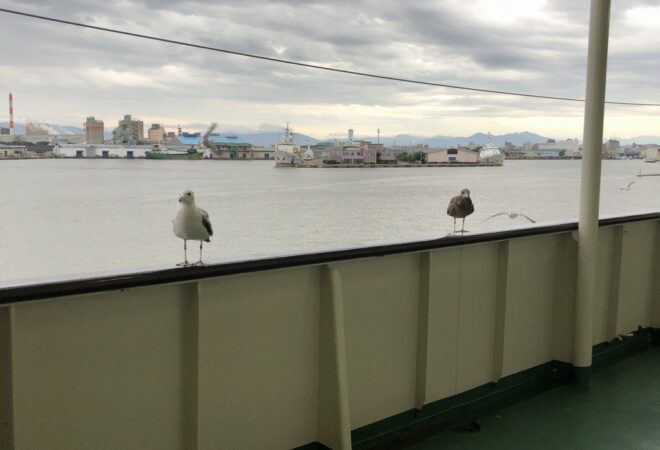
[{"x": 60, "y": 74}]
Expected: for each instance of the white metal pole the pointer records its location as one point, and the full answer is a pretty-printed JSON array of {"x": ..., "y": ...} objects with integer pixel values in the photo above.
[{"x": 590, "y": 187}]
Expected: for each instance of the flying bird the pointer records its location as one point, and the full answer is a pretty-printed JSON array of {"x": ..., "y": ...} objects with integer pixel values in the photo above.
[
  {"x": 460, "y": 207},
  {"x": 512, "y": 215},
  {"x": 191, "y": 223},
  {"x": 627, "y": 188}
]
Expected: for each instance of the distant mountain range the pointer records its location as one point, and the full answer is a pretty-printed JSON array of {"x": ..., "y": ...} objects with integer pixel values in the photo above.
[
  {"x": 268, "y": 138},
  {"x": 645, "y": 139},
  {"x": 271, "y": 137},
  {"x": 453, "y": 141}
]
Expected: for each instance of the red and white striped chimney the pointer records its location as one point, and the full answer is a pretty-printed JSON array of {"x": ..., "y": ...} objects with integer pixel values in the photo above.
[{"x": 11, "y": 115}]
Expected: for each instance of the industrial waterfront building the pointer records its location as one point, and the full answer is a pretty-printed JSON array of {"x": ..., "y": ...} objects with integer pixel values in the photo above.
[
  {"x": 568, "y": 148},
  {"x": 350, "y": 151},
  {"x": 129, "y": 131},
  {"x": 12, "y": 151},
  {"x": 100, "y": 151},
  {"x": 447, "y": 155},
  {"x": 345, "y": 154},
  {"x": 370, "y": 152},
  {"x": 227, "y": 146},
  {"x": 231, "y": 146},
  {"x": 156, "y": 134},
  {"x": 94, "y": 131}
]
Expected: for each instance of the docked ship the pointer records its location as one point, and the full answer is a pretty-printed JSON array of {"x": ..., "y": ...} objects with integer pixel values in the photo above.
[
  {"x": 491, "y": 154},
  {"x": 158, "y": 152},
  {"x": 287, "y": 151}
]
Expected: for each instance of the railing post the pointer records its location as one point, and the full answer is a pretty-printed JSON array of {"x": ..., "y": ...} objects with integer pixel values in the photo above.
[
  {"x": 191, "y": 367},
  {"x": 500, "y": 309},
  {"x": 615, "y": 282},
  {"x": 7, "y": 425},
  {"x": 655, "y": 305},
  {"x": 423, "y": 329},
  {"x": 590, "y": 187},
  {"x": 334, "y": 423}
]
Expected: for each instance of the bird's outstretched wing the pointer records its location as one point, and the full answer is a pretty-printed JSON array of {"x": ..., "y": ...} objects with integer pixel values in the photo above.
[
  {"x": 527, "y": 217},
  {"x": 206, "y": 222},
  {"x": 494, "y": 215}
]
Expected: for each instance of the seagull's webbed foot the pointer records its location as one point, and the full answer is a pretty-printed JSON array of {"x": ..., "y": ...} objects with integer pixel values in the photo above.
[
  {"x": 199, "y": 263},
  {"x": 184, "y": 264}
]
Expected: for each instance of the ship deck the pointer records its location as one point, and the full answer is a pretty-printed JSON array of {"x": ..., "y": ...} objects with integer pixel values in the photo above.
[
  {"x": 620, "y": 409},
  {"x": 403, "y": 345}
]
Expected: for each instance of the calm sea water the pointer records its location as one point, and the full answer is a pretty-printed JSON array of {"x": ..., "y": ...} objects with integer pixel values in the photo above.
[{"x": 72, "y": 217}]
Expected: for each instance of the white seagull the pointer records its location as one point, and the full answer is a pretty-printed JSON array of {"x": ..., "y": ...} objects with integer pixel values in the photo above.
[
  {"x": 512, "y": 215},
  {"x": 191, "y": 223}
]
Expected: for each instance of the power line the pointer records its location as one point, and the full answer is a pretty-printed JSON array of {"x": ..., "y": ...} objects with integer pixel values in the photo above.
[{"x": 311, "y": 66}]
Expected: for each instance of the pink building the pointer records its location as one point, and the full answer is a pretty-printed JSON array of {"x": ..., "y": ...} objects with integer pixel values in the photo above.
[
  {"x": 352, "y": 155},
  {"x": 370, "y": 151},
  {"x": 364, "y": 153},
  {"x": 334, "y": 153}
]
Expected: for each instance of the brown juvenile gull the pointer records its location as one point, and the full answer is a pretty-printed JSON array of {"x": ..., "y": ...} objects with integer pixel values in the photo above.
[
  {"x": 460, "y": 207},
  {"x": 191, "y": 223}
]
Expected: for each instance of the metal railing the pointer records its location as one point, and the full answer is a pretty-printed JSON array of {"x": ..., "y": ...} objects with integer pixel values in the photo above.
[{"x": 282, "y": 352}]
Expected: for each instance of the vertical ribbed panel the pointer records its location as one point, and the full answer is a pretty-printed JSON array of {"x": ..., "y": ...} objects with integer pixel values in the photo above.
[
  {"x": 6, "y": 379},
  {"x": 334, "y": 427}
]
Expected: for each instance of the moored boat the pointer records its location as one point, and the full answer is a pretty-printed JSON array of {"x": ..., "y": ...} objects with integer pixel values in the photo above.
[
  {"x": 491, "y": 154},
  {"x": 159, "y": 153},
  {"x": 287, "y": 151}
]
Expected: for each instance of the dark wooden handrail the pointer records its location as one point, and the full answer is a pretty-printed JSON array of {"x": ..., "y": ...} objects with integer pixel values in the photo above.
[{"x": 11, "y": 294}]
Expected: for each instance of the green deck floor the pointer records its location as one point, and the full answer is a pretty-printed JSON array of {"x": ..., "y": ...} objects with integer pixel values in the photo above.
[{"x": 620, "y": 410}]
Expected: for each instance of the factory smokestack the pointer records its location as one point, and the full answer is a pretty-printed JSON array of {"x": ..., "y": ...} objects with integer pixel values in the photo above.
[{"x": 11, "y": 115}]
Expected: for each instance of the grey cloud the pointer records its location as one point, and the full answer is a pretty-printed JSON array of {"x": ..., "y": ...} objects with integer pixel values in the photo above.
[{"x": 373, "y": 36}]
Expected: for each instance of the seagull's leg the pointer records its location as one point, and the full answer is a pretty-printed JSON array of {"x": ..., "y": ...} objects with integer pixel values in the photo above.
[
  {"x": 463, "y": 226},
  {"x": 200, "y": 262},
  {"x": 454, "y": 225},
  {"x": 185, "y": 254}
]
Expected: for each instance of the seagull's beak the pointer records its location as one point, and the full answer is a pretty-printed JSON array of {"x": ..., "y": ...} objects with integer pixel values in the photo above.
[{"x": 180, "y": 199}]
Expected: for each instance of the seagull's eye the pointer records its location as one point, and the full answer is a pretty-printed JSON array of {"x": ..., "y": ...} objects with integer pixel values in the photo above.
[{"x": 188, "y": 194}]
